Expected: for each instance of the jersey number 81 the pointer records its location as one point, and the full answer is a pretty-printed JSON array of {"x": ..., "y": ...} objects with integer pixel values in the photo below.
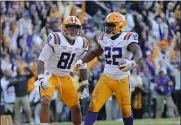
[{"x": 66, "y": 60}]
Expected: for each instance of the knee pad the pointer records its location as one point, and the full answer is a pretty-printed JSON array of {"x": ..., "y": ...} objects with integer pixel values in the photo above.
[
  {"x": 126, "y": 111},
  {"x": 94, "y": 106}
]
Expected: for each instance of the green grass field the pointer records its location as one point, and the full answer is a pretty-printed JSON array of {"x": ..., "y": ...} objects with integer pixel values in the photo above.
[{"x": 172, "y": 121}]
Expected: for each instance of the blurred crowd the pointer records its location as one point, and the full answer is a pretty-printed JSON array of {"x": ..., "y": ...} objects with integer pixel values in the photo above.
[{"x": 155, "y": 88}]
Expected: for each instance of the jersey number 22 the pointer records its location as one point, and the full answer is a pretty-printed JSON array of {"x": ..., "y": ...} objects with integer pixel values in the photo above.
[{"x": 111, "y": 54}]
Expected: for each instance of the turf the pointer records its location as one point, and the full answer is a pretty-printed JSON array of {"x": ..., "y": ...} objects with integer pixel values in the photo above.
[{"x": 171, "y": 121}]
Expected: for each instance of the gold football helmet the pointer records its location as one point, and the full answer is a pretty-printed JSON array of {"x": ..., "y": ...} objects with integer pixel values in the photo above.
[
  {"x": 71, "y": 27},
  {"x": 114, "y": 23}
]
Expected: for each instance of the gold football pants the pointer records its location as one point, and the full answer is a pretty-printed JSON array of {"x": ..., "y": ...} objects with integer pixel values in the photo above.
[
  {"x": 104, "y": 90},
  {"x": 66, "y": 89}
]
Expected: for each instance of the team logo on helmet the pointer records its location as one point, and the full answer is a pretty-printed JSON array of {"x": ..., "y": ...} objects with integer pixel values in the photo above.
[{"x": 114, "y": 23}]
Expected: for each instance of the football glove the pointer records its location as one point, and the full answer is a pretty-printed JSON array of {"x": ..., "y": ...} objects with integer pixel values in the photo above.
[
  {"x": 84, "y": 89},
  {"x": 42, "y": 82},
  {"x": 126, "y": 65}
]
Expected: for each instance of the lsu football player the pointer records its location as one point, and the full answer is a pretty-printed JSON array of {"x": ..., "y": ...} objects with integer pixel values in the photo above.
[
  {"x": 54, "y": 65},
  {"x": 118, "y": 48}
]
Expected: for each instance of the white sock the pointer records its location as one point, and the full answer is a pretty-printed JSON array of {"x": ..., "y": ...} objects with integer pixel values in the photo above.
[{"x": 44, "y": 124}]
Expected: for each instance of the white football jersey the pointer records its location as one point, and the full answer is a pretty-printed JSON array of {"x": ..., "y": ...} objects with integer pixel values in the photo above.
[
  {"x": 114, "y": 51},
  {"x": 61, "y": 56}
]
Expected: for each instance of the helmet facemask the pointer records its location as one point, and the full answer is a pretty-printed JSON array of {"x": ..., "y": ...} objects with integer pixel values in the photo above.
[
  {"x": 109, "y": 29},
  {"x": 72, "y": 31}
]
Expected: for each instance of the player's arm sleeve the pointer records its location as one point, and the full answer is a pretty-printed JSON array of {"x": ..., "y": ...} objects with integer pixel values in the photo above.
[{"x": 48, "y": 49}]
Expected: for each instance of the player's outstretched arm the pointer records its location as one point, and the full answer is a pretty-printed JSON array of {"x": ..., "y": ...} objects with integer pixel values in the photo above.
[
  {"x": 88, "y": 57},
  {"x": 92, "y": 54}
]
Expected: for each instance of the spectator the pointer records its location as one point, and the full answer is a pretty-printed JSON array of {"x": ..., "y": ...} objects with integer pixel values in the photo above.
[
  {"x": 150, "y": 63},
  {"x": 25, "y": 24},
  {"x": 147, "y": 81},
  {"x": 8, "y": 93},
  {"x": 137, "y": 94},
  {"x": 177, "y": 90},
  {"x": 164, "y": 88},
  {"x": 34, "y": 98},
  {"x": 160, "y": 28},
  {"x": 130, "y": 21},
  {"x": 21, "y": 90},
  {"x": 162, "y": 53},
  {"x": 65, "y": 8}
]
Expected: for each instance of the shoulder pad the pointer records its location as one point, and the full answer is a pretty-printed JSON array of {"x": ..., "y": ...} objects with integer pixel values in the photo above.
[
  {"x": 131, "y": 36},
  {"x": 53, "y": 38}
]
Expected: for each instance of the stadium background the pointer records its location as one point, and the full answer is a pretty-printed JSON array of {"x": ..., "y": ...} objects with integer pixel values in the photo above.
[{"x": 24, "y": 30}]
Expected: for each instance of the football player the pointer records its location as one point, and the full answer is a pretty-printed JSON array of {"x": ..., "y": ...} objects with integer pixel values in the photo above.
[
  {"x": 118, "y": 48},
  {"x": 54, "y": 65}
]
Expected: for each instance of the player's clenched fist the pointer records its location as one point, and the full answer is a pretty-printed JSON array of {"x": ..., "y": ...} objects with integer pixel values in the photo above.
[
  {"x": 77, "y": 65},
  {"x": 42, "y": 82}
]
